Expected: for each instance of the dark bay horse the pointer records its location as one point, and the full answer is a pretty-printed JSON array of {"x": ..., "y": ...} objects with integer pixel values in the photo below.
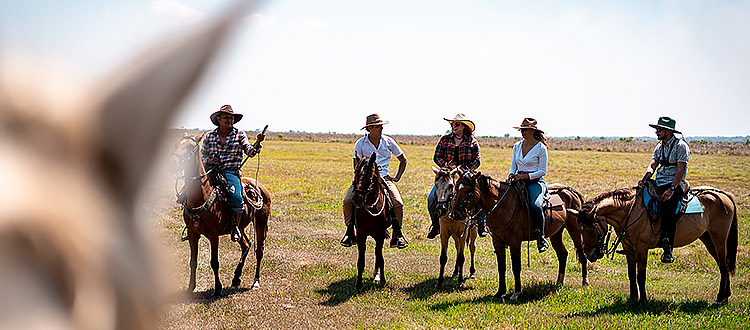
[
  {"x": 510, "y": 223},
  {"x": 464, "y": 233},
  {"x": 371, "y": 216},
  {"x": 623, "y": 209},
  {"x": 205, "y": 214}
]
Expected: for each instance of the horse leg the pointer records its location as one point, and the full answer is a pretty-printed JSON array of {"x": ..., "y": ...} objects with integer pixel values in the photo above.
[
  {"x": 632, "y": 277},
  {"x": 193, "y": 239},
  {"x": 379, "y": 262},
  {"x": 720, "y": 258},
  {"x": 515, "y": 257},
  {"x": 641, "y": 263},
  {"x": 562, "y": 256},
  {"x": 360, "y": 259},
  {"x": 500, "y": 253},
  {"x": 443, "y": 257},
  {"x": 244, "y": 248},
  {"x": 261, "y": 229},
  {"x": 460, "y": 260},
  {"x": 215, "y": 264},
  {"x": 472, "y": 249}
]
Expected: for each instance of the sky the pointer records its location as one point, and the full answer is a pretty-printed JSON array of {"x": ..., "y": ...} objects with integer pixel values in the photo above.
[{"x": 581, "y": 68}]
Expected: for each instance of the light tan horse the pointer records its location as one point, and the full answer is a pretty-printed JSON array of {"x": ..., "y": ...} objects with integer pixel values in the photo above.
[
  {"x": 72, "y": 255},
  {"x": 623, "y": 209},
  {"x": 510, "y": 223},
  {"x": 463, "y": 233}
]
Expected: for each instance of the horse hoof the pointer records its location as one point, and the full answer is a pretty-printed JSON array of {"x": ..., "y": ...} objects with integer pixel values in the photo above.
[
  {"x": 718, "y": 303},
  {"x": 236, "y": 282},
  {"x": 514, "y": 296},
  {"x": 473, "y": 276},
  {"x": 461, "y": 286},
  {"x": 439, "y": 286},
  {"x": 256, "y": 284}
]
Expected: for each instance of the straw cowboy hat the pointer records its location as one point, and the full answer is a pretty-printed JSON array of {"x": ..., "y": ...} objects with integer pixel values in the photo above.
[
  {"x": 462, "y": 118},
  {"x": 666, "y": 122},
  {"x": 529, "y": 123},
  {"x": 225, "y": 109},
  {"x": 373, "y": 120}
]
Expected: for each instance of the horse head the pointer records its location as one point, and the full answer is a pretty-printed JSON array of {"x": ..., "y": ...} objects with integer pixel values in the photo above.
[
  {"x": 445, "y": 179},
  {"x": 186, "y": 151},
  {"x": 466, "y": 194},
  {"x": 365, "y": 177},
  {"x": 593, "y": 231}
]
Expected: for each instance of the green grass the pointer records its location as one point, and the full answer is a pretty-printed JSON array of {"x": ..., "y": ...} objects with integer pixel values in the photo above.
[{"x": 308, "y": 279}]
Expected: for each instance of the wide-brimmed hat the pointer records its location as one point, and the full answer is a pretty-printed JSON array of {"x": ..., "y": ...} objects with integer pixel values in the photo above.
[
  {"x": 462, "y": 118},
  {"x": 666, "y": 122},
  {"x": 225, "y": 109},
  {"x": 529, "y": 123},
  {"x": 373, "y": 120}
]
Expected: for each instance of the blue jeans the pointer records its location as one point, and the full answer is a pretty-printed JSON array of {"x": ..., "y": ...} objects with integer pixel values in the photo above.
[
  {"x": 235, "y": 191},
  {"x": 537, "y": 189}
]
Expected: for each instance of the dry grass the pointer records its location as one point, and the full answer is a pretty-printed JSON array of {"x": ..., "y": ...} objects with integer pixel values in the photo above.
[{"x": 307, "y": 279}]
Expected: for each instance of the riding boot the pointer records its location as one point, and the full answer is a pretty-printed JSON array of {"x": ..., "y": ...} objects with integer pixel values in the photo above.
[
  {"x": 667, "y": 257},
  {"x": 349, "y": 238},
  {"x": 235, "y": 234},
  {"x": 398, "y": 240},
  {"x": 482, "y": 226},
  {"x": 434, "y": 229}
]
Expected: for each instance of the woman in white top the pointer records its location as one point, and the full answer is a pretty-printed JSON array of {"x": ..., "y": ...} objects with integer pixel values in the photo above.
[{"x": 529, "y": 164}]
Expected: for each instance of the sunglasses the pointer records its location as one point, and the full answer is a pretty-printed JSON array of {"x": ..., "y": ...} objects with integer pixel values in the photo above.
[{"x": 456, "y": 124}]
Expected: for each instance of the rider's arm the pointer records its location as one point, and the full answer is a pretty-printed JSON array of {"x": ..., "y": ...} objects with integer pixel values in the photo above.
[
  {"x": 401, "y": 167},
  {"x": 650, "y": 170},
  {"x": 476, "y": 156}
]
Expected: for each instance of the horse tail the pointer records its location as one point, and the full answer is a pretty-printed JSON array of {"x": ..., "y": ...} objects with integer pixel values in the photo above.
[{"x": 732, "y": 241}]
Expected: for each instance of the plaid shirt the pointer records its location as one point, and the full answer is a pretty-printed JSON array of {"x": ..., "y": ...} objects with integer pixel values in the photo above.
[
  {"x": 468, "y": 152},
  {"x": 670, "y": 152},
  {"x": 230, "y": 153}
]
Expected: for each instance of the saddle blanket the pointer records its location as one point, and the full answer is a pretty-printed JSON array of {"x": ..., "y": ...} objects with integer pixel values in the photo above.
[{"x": 693, "y": 204}]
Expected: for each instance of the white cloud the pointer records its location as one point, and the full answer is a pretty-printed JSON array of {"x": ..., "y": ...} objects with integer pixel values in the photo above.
[
  {"x": 309, "y": 25},
  {"x": 176, "y": 9}
]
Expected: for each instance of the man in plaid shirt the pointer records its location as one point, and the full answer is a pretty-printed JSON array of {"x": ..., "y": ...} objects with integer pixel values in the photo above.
[
  {"x": 457, "y": 148},
  {"x": 223, "y": 150}
]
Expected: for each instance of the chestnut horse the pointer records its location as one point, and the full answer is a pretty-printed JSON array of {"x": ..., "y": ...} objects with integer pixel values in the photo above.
[
  {"x": 510, "y": 223},
  {"x": 205, "y": 214},
  {"x": 623, "y": 208},
  {"x": 463, "y": 233},
  {"x": 371, "y": 215}
]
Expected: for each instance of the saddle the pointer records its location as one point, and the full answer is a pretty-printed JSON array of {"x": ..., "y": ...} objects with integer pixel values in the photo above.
[{"x": 687, "y": 205}]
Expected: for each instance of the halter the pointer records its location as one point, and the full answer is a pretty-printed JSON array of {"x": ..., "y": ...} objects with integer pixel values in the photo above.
[{"x": 366, "y": 193}]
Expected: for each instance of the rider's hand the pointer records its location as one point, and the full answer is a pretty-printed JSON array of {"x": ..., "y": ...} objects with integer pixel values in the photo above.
[
  {"x": 390, "y": 178},
  {"x": 260, "y": 137},
  {"x": 641, "y": 183},
  {"x": 666, "y": 195},
  {"x": 214, "y": 160}
]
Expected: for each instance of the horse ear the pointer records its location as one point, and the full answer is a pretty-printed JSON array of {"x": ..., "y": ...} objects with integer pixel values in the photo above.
[{"x": 131, "y": 115}]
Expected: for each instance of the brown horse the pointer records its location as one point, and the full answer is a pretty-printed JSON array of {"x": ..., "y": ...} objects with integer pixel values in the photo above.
[
  {"x": 463, "y": 233},
  {"x": 623, "y": 208},
  {"x": 510, "y": 223},
  {"x": 205, "y": 214},
  {"x": 371, "y": 216}
]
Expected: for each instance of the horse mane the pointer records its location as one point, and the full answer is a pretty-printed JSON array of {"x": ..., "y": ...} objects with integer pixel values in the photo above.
[{"x": 617, "y": 195}]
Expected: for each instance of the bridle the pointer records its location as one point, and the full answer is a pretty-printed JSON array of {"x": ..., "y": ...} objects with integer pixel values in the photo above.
[
  {"x": 471, "y": 195},
  {"x": 358, "y": 191},
  {"x": 604, "y": 234}
]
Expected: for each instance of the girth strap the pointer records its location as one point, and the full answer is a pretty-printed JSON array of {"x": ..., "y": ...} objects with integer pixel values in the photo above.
[{"x": 196, "y": 213}]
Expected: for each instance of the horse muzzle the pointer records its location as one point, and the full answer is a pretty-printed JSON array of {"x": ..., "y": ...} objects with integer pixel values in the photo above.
[
  {"x": 457, "y": 215},
  {"x": 358, "y": 199}
]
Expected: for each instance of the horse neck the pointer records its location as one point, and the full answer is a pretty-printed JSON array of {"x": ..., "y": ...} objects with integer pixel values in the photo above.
[
  {"x": 197, "y": 190},
  {"x": 620, "y": 215}
]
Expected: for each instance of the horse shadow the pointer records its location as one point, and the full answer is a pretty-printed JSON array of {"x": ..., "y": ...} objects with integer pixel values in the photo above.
[
  {"x": 344, "y": 289},
  {"x": 425, "y": 289},
  {"x": 652, "y": 307},
  {"x": 203, "y": 297}
]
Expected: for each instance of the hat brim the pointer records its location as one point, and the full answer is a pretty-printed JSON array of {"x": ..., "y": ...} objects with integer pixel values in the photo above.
[
  {"x": 379, "y": 122},
  {"x": 468, "y": 123},
  {"x": 215, "y": 117},
  {"x": 522, "y": 127},
  {"x": 655, "y": 126}
]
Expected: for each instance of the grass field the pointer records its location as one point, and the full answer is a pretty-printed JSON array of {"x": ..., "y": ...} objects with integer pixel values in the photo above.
[{"x": 307, "y": 279}]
